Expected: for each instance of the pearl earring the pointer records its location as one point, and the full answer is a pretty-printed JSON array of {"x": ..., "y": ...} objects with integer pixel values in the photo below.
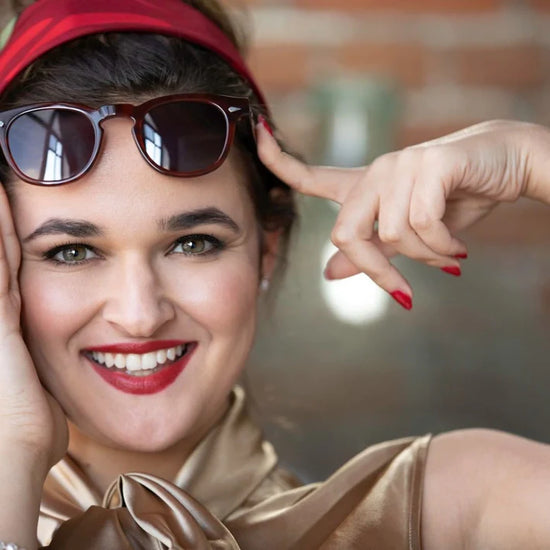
[{"x": 264, "y": 284}]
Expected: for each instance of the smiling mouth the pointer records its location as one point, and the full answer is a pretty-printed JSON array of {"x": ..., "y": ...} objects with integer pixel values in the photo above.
[{"x": 139, "y": 364}]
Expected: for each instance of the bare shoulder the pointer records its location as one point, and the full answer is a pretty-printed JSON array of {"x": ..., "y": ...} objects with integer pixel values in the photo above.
[{"x": 487, "y": 490}]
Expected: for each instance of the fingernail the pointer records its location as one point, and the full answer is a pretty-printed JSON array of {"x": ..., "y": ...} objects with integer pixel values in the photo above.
[
  {"x": 327, "y": 274},
  {"x": 463, "y": 256},
  {"x": 452, "y": 270},
  {"x": 403, "y": 299},
  {"x": 265, "y": 124}
]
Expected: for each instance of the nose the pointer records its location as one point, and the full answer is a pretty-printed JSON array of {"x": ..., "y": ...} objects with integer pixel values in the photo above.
[{"x": 137, "y": 304}]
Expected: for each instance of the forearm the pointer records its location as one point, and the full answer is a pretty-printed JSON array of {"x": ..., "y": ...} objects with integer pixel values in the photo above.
[
  {"x": 537, "y": 150},
  {"x": 21, "y": 482}
]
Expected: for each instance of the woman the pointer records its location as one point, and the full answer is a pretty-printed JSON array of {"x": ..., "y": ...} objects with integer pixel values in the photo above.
[{"x": 129, "y": 278}]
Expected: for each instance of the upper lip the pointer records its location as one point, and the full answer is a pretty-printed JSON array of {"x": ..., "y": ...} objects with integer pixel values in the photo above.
[{"x": 138, "y": 347}]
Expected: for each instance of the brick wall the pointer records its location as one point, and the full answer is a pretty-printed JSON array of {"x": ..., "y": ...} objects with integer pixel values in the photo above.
[{"x": 455, "y": 61}]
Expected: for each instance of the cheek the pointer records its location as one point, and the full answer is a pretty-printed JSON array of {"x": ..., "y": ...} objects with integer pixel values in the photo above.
[
  {"x": 53, "y": 309},
  {"x": 219, "y": 296}
]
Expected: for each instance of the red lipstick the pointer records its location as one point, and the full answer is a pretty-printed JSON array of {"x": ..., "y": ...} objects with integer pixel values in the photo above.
[
  {"x": 138, "y": 347},
  {"x": 162, "y": 377}
]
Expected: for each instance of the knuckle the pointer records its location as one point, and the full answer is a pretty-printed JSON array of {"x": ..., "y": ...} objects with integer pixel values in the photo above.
[
  {"x": 384, "y": 163},
  {"x": 397, "y": 161},
  {"x": 390, "y": 235},
  {"x": 439, "y": 159},
  {"x": 432, "y": 155},
  {"x": 408, "y": 157},
  {"x": 341, "y": 236},
  {"x": 421, "y": 221}
]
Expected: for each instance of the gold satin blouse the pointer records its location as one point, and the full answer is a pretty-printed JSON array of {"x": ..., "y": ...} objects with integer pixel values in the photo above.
[{"x": 230, "y": 494}]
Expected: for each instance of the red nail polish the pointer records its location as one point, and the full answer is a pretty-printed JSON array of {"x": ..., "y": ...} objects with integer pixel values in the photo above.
[
  {"x": 402, "y": 299},
  {"x": 463, "y": 256},
  {"x": 452, "y": 270},
  {"x": 265, "y": 124}
]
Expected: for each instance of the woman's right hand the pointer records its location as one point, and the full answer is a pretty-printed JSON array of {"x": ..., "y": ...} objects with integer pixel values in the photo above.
[
  {"x": 32, "y": 425},
  {"x": 413, "y": 202}
]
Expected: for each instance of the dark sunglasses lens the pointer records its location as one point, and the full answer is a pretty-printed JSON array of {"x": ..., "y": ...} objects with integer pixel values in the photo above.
[
  {"x": 185, "y": 136},
  {"x": 51, "y": 145}
]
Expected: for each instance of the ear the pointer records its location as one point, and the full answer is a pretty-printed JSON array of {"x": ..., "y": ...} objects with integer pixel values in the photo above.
[{"x": 270, "y": 249}]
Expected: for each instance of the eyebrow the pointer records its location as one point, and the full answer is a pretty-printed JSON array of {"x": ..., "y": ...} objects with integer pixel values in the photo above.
[
  {"x": 203, "y": 216},
  {"x": 59, "y": 226},
  {"x": 82, "y": 229}
]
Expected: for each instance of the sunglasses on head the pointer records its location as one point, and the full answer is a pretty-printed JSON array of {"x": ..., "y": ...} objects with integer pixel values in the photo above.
[{"x": 184, "y": 135}]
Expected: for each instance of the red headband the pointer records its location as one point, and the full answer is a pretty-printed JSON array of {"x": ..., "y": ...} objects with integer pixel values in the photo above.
[{"x": 50, "y": 23}]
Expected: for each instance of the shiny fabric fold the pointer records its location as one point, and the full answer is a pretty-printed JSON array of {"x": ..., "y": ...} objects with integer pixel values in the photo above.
[
  {"x": 153, "y": 514},
  {"x": 230, "y": 495}
]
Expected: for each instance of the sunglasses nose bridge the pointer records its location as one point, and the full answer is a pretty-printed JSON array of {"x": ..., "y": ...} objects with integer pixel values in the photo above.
[
  {"x": 110, "y": 111},
  {"x": 106, "y": 112}
]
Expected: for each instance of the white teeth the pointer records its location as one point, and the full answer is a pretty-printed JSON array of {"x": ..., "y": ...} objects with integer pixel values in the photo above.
[
  {"x": 138, "y": 363},
  {"x": 133, "y": 362},
  {"x": 149, "y": 361}
]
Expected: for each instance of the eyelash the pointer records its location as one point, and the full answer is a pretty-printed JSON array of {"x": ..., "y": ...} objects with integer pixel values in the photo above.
[
  {"x": 216, "y": 246},
  {"x": 53, "y": 252}
]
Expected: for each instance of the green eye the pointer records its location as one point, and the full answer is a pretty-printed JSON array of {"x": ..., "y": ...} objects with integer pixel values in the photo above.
[
  {"x": 194, "y": 246},
  {"x": 71, "y": 254},
  {"x": 197, "y": 245},
  {"x": 74, "y": 254}
]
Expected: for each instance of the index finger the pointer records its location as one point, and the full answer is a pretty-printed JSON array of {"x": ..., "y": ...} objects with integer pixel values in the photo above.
[{"x": 318, "y": 181}]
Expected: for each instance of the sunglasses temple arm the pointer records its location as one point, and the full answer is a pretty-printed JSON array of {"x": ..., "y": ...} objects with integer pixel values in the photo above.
[{"x": 253, "y": 122}]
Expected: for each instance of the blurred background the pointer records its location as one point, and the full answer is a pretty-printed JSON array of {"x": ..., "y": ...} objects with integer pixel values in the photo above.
[{"x": 339, "y": 366}]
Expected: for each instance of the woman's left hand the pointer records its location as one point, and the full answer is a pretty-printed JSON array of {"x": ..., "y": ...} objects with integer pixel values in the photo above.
[{"x": 412, "y": 202}]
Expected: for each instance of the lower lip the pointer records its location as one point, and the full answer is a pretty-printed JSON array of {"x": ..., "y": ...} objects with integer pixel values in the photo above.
[{"x": 144, "y": 385}]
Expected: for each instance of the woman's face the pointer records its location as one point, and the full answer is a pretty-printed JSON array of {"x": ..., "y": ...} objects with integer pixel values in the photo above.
[{"x": 130, "y": 266}]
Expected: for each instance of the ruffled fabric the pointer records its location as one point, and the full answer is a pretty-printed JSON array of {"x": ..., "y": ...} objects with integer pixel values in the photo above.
[
  {"x": 229, "y": 495},
  {"x": 144, "y": 512}
]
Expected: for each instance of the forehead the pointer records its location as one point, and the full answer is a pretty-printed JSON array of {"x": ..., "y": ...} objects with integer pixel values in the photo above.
[{"x": 121, "y": 185}]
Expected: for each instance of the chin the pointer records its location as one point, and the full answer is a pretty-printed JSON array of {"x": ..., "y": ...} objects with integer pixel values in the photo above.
[
  {"x": 156, "y": 429},
  {"x": 144, "y": 437}
]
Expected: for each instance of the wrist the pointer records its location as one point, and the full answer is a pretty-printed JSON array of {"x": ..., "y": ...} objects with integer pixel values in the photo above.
[
  {"x": 19, "y": 457},
  {"x": 21, "y": 485},
  {"x": 536, "y": 151}
]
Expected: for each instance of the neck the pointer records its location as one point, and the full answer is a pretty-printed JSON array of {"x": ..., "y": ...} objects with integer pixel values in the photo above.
[{"x": 102, "y": 464}]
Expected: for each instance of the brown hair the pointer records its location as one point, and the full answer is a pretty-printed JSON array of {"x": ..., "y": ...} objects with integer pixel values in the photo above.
[{"x": 129, "y": 67}]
